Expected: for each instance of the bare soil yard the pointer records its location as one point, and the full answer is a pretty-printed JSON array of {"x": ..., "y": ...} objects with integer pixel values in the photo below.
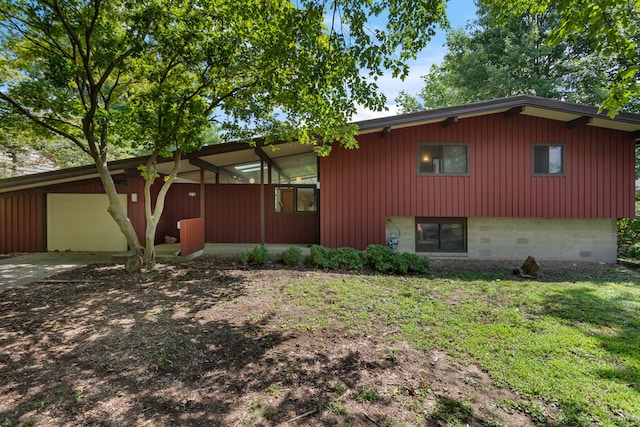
[{"x": 212, "y": 343}]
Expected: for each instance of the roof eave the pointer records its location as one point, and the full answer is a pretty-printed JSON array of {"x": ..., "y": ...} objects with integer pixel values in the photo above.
[{"x": 489, "y": 107}]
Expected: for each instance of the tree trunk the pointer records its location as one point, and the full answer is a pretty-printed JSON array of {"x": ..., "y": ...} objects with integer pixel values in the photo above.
[
  {"x": 117, "y": 211},
  {"x": 153, "y": 214}
]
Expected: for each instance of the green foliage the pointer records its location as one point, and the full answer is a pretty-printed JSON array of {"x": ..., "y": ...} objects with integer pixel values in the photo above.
[
  {"x": 258, "y": 255},
  {"x": 611, "y": 28},
  {"x": 291, "y": 256},
  {"x": 385, "y": 260},
  {"x": 634, "y": 251},
  {"x": 629, "y": 236},
  {"x": 340, "y": 258},
  {"x": 150, "y": 76},
  {"x": 408, "y": 103},
  {"x": 366, "y": 394},
  {"x": 497, "y": 57}
]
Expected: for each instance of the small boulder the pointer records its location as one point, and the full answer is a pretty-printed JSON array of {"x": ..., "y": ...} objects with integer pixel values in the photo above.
[{"x": 529, "y": 269}]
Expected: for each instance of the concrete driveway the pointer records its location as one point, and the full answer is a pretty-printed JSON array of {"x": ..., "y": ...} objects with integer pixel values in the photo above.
[{"x": 29, "y": 268}]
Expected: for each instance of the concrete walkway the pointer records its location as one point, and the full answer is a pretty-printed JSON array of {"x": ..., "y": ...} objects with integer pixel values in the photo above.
[
  {"x": 24, "y": 269},
  {"x": 29, "y": 268}
]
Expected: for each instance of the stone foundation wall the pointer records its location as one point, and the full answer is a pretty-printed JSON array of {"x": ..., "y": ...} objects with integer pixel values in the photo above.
[{"x": 551, "y": 239}]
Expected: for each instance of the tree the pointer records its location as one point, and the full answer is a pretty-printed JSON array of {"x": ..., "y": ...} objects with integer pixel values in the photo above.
[
  {"x": 492, "y": 59},
  {"x": 611, "y": 26},
  {"x": 151, "y": 75}
]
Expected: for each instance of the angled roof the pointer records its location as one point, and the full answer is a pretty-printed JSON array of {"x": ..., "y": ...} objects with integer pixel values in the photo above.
[
  {"x": 216, "y": 156},
  {"x": 521, "y": 104}
]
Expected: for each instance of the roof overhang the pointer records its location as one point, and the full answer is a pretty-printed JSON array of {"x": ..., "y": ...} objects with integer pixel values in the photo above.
[
  {"x": 210, "y": 159},
  {"x": 523, "y": 104}
]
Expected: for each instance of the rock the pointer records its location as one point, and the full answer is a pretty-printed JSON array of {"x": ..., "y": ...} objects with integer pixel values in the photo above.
[{"x": 529, "y": 269}]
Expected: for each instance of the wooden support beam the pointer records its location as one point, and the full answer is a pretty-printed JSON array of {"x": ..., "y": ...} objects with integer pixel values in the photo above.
[
  {"x": 132, "y": 172},
  {"x": 204, "y": 165},
  {"x": 263, "y": 156},
  {"x": 513, "y": 112},
  {"x": 449, "y": 121},
  {"x": 579, "y": 122}
]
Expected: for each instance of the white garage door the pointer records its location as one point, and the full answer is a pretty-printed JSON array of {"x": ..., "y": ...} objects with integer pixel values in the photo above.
[{"x": 80, "y": 222}]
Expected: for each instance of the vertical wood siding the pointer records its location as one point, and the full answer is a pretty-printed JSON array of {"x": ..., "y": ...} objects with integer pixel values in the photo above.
[
  {"x": 360, "y": 188},
  {"x": 299, "y": 227},
  {"x": 233, "y": 216},
  {"x": 21, "y": 223},
  {"x": 191, "y": 236}
]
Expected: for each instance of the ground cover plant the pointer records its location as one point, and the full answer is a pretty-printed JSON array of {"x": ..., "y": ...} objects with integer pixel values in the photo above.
[{"x": 213, "y": 342}]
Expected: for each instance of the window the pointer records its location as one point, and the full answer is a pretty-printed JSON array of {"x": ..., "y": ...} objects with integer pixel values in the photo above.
[
  {"x": 548, "y": 159},
  {"x": 441, "y": 234},
  {"x": 243, "y": 173},
  {"x": 295, "y": 199},
  {"x": 295, "y": 169},
  {"x": 436, "y": 159}
]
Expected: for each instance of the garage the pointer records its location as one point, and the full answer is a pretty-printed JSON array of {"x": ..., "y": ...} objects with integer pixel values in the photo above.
[{"x": 80, "y": 222}]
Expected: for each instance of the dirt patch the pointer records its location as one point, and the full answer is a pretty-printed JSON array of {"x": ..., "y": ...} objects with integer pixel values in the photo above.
[{"x": 208, "y": 343}]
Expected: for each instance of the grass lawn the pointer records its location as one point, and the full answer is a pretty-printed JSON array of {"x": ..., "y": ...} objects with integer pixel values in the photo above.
[
  {"x": 212, "y": 343},
  {"x": 570, "y": 348}
]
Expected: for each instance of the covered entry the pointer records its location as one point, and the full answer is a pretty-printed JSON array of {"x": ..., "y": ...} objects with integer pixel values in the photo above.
[{"x": 80, "y": 222}]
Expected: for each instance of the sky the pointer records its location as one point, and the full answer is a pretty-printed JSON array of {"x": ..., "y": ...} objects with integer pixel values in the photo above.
[{"x": 459, "y": 13}]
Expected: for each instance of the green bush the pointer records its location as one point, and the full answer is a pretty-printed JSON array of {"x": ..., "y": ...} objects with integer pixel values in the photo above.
[
  {"x": 628, "y": 236},
  {"x": 258, "y": 255},
  {"x": 415, "y": 263},
  {"x": 385, "y": 260},
  {"x": 634, "y": 251},
  {"x": 291, "y": 256},
  {"x": 347, "y": 258}
]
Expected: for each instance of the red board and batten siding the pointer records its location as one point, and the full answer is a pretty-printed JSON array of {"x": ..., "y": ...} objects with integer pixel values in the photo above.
[
  {"x": 21, "y": 229},
  {"x": 360, "y": 188},
  {"x": 233, "y": 216},
  {"x": 191, "y": 236}
]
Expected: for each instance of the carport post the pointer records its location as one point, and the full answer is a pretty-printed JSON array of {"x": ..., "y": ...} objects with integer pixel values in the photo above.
[
  {"x": 202, "y": 187},
  {"x": 262, "y": 234}
]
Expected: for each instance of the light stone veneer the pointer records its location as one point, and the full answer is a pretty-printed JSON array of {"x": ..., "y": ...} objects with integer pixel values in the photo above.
[{"x": 549, "y": 239}]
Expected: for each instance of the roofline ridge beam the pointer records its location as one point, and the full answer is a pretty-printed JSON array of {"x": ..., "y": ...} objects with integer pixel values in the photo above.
[
  {"x": 514, "y": 111},
  {"x": 579, "y": 122},
  {"x": 204, "y": 165},
  {"x": 264, "y": 156},
  {"x": 449, "y": 121}
]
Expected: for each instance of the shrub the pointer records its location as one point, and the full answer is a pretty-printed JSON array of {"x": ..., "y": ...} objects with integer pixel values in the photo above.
[
  {"x": 347, "y": 258},
  {"x": 291, "y": 256},
  {"x": 628, "y": 235},
  {"x": 415, "y": 263},
  {"x": 258, "y": 255},
  {"x": 380, "y": 258},
  {"x": 634, "y": 251},
  {"x": 385, "y": 260}
]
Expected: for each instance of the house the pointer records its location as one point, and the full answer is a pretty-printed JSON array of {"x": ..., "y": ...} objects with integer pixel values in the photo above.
[{"x": 500, "y": 179}]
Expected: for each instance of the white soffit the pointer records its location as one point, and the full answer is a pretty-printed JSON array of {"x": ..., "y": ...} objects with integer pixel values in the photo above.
[
  {"x": 59, "y": 181},
  {"x": 602, "y": 122}
]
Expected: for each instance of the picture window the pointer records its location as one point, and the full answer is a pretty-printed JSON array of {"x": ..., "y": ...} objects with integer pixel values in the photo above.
[{"x": 443, "y": 159}]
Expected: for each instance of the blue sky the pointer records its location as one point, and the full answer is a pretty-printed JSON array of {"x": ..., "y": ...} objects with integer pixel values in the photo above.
[{"x": 459, "y": 13}]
